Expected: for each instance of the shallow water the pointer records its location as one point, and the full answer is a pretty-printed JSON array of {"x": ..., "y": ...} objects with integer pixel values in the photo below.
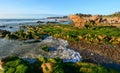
[{"x": 32, "y": 50}]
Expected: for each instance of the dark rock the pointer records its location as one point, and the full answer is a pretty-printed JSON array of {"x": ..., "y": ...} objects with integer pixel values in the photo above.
[
  {"x": 31, "y": 41},
  {"x": 40, "y": 22},
  {"x": 52, "y": 22},
  {"x": 10, "y": 27},
  {"x": 1, "y": 26},
  {"x": 3, "y": 33}
]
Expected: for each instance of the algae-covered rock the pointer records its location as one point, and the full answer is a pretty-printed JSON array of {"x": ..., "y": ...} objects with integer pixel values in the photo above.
[
  {"x": 15, "y": 65},
  {"x": 3, "y": 33}
]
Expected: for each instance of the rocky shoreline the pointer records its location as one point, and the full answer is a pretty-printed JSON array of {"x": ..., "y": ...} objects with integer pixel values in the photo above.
[{"x": 33, "y": 45}]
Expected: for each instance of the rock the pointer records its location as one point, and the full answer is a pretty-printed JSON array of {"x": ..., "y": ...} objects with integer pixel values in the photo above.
[
  {"x": 100, "y": 37},
  {"x": 51, "y": 22},
  {"x": 78, "y": 21},
  {"x": 1, "y": 64},
  {"x": 115, "y": 42},
  {"x": 50, "y": 41},
  {"x": 96, "y": 18},
  {"x": 10, "y": 27},
  {"x": 114, "y": 20},
  {"x": 3, "y": 33},
  {"x": 48, "y": 67},
  {"x": 62, "y": 51},
  {"x": 2, "y": 26},
  {"x": 118, "y": 39},
  {"x": 40, "y": 22},
  {"x": 31, "y": 41},
  {"x": 80, "y": 37}
]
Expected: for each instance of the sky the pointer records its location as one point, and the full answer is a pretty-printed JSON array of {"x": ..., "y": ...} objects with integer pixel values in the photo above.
[{"x": 43, "y": 8}]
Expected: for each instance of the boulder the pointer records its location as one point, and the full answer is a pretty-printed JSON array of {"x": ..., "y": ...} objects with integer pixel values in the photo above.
[
  {"x": 118, "y": 39},
  {"x": 114, "y": 20},
  {"x": 78, "y": 21},
  {"x": 48, "y": 67},
  {"x": 96, "y": 18},
  {"x": 40, "y": 22}
]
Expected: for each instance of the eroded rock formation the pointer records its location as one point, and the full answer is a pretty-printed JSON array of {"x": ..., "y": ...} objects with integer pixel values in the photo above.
[
  {"x": 95, "y": 20},
  {"x": 78, "y": 21},
  {"x": 114, "y": 20}
]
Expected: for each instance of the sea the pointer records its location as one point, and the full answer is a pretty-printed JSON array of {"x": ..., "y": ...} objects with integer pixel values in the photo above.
[{"x": 13, "y": 25}]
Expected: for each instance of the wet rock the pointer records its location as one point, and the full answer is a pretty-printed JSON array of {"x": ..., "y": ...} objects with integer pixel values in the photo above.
[
  {"x": 52, "y": 22},
  {"x": 10, "y": 27},
  {"x": 40, "y": 22},
  {"x": 3, "y": 33},
  {"x": 31, "y": 41},
  {"x": 1, "y": 26},
  {"x": 62, "y": 51}
]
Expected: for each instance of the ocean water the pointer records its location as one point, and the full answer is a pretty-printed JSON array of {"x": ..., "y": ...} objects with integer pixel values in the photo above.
[{"x": 13, "y": 25}]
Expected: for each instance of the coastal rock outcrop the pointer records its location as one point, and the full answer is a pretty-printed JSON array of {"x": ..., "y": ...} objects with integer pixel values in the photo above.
[
  {"x": 78, "y": 21},
  {"x": 96, "y": 19},
  {"x": 114, "y": 20}
]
